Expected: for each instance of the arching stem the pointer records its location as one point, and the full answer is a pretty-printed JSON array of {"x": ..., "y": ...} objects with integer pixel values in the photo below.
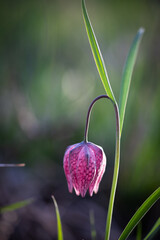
[
  {"x": 89, "y": 113},
  {"x": 117, "y": 160}
]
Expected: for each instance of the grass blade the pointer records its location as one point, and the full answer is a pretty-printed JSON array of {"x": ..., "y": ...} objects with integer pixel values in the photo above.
[
  {"x": 154, "y": 230},
  {"x": 140, "y": 213},
  {"x": 97, "y": 53},
  {"x": 59, "y": 224},
  {"x": 127, "y": 74},
  {"x": 12, "y": 165},
  {"x": 15, "y": 206}
]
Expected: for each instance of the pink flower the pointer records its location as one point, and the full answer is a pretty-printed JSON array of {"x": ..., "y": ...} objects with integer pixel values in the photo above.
[{"x": 84, "y": 165}]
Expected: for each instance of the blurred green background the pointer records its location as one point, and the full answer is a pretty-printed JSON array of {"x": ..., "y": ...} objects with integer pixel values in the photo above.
[{"x": 48, "y": 79}]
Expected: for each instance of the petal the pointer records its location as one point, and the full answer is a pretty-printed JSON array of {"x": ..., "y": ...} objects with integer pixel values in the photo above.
[
  {"x": 66, "y": 167},
  {"x": 73, "y": 161},
  {"x": 101, "y": 172},
  {"x": 85, "y": 169},
  {"x": 100, "y": 168}
]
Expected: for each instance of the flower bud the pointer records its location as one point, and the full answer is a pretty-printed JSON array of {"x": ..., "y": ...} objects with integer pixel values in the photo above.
[{"x": 84, "y": 165}]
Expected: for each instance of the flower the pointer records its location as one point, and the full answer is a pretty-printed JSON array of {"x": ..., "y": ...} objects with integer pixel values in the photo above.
[{"x": 84, "y": 165}]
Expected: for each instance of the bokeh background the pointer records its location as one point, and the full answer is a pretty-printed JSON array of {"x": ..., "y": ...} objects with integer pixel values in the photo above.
[{"x": 47, "y": 80}]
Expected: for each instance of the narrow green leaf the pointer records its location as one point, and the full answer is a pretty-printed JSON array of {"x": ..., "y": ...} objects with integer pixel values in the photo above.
[
  {"x": 59, "y": 224},
  {"x": 97, "y": 53},
  {"x": 140, "y": 213},
  {"x": 16, "y": 205},
  {"x": 154, "y": 230},
  {"x": 127, "y": 74},
  {"x": 12, "y": 165}
]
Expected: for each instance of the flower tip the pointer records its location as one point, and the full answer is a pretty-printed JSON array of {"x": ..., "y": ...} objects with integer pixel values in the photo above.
[
  {"x": 90, "y": 193},
  {"x": 77, "y": 192},
  {"x": 83, "y": 192},
  {"x": 70, "y": 189}
]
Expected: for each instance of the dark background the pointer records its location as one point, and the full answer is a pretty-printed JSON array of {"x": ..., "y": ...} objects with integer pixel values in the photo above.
[{"x": 47, "y": 80}]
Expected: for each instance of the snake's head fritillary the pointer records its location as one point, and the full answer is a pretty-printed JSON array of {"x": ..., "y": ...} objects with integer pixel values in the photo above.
[{"x": 84, "y": 165}]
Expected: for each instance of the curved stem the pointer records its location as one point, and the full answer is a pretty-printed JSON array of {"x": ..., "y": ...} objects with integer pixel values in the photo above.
[
  {"x": 115, "y": 174},
  {"x": 89, "y": 113},
  {"x": 117, "y": 160}
]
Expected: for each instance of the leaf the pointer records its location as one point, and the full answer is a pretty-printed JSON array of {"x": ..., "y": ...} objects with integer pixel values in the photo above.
[
  {"x": 59, "y": 224},
  {"x": 12, "y": 165},
  {"x": 140, "y": 213},
  {"x": 97, "y": 53},
  {"x": 154, "y": 230},
  {"x": 15, "y": 206},
  {"x": 127, "y": 74}
]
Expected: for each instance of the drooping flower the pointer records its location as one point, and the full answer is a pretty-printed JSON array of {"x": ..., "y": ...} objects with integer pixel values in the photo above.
[{"x": 84, "y": 165}]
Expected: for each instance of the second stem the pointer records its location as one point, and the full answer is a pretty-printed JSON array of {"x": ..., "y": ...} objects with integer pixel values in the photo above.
[{"x": 115, "y": 174}]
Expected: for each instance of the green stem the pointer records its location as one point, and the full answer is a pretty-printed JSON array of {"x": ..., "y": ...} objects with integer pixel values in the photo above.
[
  {"x": 115, "y": 174},
  {"x": 117, "y": 159}
]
